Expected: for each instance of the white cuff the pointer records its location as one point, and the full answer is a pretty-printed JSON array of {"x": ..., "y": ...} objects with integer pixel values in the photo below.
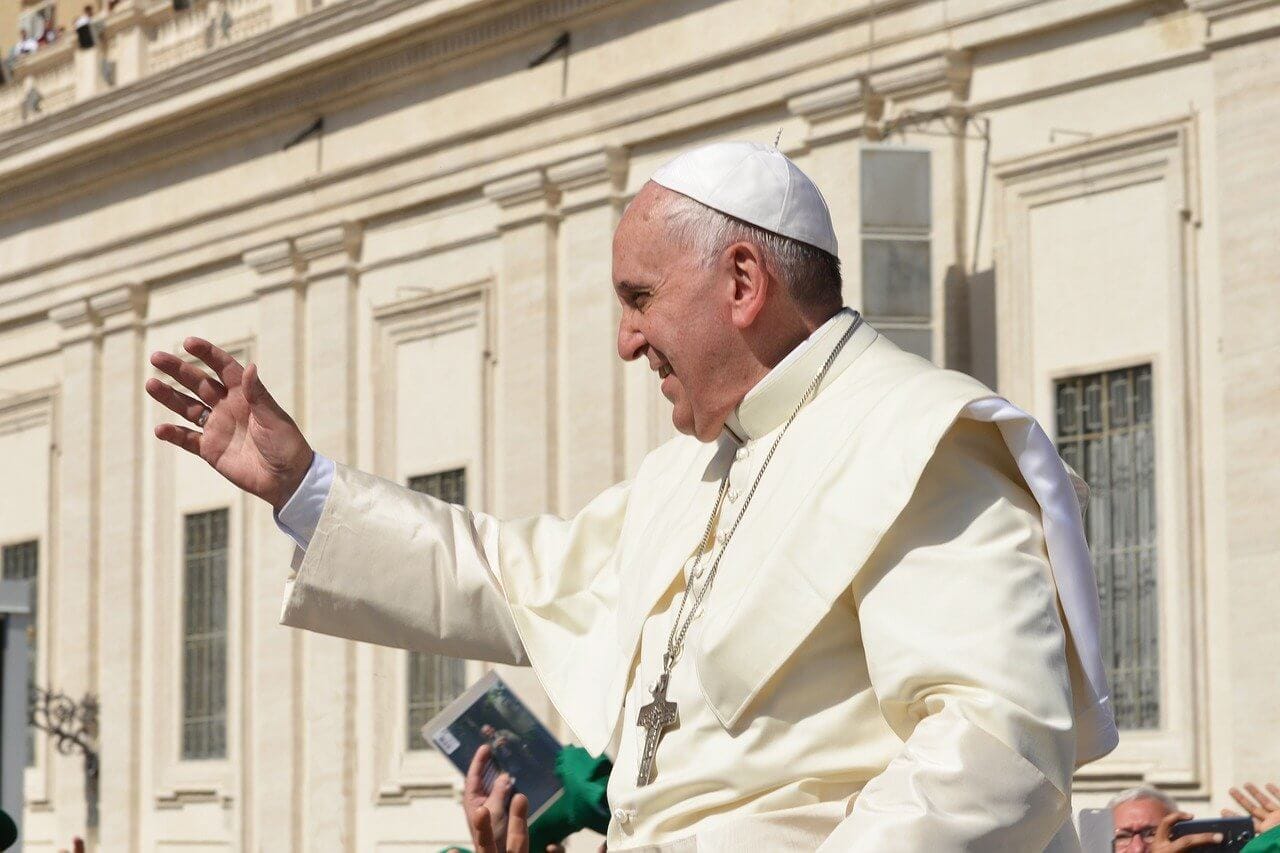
[{"x": 301, "y": 513}]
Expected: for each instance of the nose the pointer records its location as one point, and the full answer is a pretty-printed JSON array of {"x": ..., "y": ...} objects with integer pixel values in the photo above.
[{"x": 631, "y": 342}]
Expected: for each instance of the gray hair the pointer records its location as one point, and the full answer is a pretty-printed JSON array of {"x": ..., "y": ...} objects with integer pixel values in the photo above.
[
  {"x": 1143, "y": 792},
  {"x": 812, "y": 275}
]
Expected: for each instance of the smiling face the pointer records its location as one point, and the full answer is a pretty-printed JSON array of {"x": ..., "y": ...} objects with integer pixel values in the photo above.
[
  {"x": 1134, "y": 820},
  {"x": 677, "y": 314}
]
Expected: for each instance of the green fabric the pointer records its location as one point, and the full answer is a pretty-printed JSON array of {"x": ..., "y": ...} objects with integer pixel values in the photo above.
[
  {"x": 583, "y": 805},
  {"x": 1267, "y": 842},
  {"x": 8, "y": 831}
]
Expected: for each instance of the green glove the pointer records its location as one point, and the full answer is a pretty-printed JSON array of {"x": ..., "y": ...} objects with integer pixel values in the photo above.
[
  {"x": 583, "y": 805},
  {"x": 8, "y": 831}
]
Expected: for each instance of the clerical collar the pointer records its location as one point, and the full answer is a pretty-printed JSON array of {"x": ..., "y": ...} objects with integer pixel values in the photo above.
[{"x": 774, "y": 397}]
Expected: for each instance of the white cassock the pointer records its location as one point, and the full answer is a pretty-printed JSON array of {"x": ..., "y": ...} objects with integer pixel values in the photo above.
[{"x": 881, "y": 663}]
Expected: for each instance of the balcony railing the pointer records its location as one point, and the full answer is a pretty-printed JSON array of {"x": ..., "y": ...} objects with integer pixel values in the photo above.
[{"x": 138, "y": 38}]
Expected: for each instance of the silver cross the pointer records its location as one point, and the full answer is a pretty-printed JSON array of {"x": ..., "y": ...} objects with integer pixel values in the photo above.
[{"x": 656, "y": 717}]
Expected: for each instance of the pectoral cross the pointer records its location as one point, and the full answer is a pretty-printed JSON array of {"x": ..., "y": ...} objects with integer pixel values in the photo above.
[{"x": 656, "y": 717}]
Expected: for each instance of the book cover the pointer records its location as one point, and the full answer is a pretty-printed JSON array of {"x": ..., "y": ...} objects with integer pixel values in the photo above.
[{"x": 490, "y": 712}]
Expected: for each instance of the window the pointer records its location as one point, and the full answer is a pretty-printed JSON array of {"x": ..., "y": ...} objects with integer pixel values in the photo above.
[
  {"x": 434, "y": 680},
  {"x": 1105, "y": 434},
  {"x": 897, "y": 289},
  {"x": 204, "y": 636},
  {"x": 21, "y": 562}
]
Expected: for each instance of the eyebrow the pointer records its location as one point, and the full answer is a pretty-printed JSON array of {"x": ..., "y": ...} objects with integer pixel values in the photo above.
[{"x": 631, "y": 286}]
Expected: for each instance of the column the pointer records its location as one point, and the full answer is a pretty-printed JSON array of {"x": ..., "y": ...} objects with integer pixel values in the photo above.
[
  {"x": 73, "y": 576},
  {"x": 590, "y": 438},
  {"x": 121, "y": 312},
  {"x": 1245, "y": 56},
  {"x": 329, "y": 749},
  {"x": 125, "y": 45},
  {"x": 273, "y": 718},
  {"x": 526, "y": 388}
]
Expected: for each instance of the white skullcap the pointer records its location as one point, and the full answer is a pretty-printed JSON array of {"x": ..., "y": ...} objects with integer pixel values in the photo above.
[{"x": 757, "y": 184}]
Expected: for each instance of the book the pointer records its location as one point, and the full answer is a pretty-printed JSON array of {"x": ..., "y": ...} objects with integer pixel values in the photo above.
[{"x": 490, "y": 712}]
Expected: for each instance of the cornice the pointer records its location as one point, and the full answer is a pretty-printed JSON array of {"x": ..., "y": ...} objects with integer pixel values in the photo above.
[
  {"x": 119, "y": 307},
  {"x": 524, "y": 198},
  {"x": 69, "y": 316},
  {"x": 444, "y": 32},
  {"x": 590, "y": 180},
  {"x": 271, "y": 258},
  {"x": 1232, "y": 22},
  {"x": 342, "y": 238}
]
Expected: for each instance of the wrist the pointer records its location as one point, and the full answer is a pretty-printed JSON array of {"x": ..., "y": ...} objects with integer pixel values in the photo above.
[{"x": 291, "y": 480}]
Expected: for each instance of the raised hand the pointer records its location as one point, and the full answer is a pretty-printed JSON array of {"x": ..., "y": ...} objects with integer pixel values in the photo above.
[
  {"x": 246, "y": 436},
  {"x": 492, "y": 803},
  {"x": 1264, "y": 810}
]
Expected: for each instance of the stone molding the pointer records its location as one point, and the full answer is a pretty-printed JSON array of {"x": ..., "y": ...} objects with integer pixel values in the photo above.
[
  {"x": 345, "y": 238},
  {"x": 122, "y": 307},
  {"x": 591, "y": 180},
  {"x": 321, "y": 80},
  {"x": 1232, "y": 22},
  {"x": 858, "y": 105},
  {"x": 524, "y": 198}
]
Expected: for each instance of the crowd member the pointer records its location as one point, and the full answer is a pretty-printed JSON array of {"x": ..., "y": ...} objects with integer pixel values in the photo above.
[
  {"x": 1144, "y": 818},
  {"x": 84, "y": 28}
]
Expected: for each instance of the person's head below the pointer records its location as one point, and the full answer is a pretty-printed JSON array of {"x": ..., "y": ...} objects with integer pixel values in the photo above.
[
  {"x": 1135, "y": 815},
  {"x": 488, "y": 730},
  {"x": 711, "y": 301}
]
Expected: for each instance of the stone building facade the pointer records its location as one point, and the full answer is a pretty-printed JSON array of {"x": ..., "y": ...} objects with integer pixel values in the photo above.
[{"x": 404, "y": 217}]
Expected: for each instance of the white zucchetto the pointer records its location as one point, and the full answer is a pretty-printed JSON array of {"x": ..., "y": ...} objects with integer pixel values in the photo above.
[{"x": 757, "y": 184}]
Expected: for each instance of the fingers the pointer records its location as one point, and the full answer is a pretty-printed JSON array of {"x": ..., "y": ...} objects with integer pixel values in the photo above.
[
  {"x": 265, "y": 408},
  {"x": 482, "y": 832},
  {"x": 1247, "y": 804},
  {"x": 518, "y": 828},
  {"x": 501, "y": 793},
  {"x": 473, "y": 787},
  {"x": 1166, "y": 825},
  {"x": 175, "y": 401},
  {"x": 1262, "y": 799},
  {"x": 190, "y": 377},
  {"x": 1274, "y": 791},
  {"x": 187, "y": 439},
  {"x": 1200, "y": 839},
  {"x": 227, "y": 368}
]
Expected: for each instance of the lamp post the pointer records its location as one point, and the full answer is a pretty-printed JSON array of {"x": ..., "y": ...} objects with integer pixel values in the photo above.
[{"x": 73, "y": 726}]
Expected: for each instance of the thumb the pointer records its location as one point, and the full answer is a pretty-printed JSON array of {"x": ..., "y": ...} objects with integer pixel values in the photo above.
[
  {"x": 264, "y": 406},
  {"x": 517, "y": 829}
]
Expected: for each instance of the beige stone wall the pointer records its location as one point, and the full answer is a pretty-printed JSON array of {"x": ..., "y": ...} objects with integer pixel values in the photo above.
[{"x": 425, "y": 283}]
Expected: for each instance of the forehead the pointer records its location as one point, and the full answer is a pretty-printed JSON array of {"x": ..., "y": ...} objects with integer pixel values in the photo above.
[
  {"x": 641, "y": 243},
  {"x": 1143, "y": 811}
]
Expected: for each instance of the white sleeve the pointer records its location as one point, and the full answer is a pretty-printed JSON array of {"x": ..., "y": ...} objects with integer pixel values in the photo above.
[
  {"x": 300, "y": 514},
  {"x": 967, "y": 654}
]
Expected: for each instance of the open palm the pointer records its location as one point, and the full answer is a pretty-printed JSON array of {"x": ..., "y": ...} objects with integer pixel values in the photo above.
[{"x": 246, "y": 436}]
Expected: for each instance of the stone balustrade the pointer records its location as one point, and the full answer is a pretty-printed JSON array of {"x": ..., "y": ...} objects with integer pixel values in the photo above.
[{"x": 138, "y": 38}]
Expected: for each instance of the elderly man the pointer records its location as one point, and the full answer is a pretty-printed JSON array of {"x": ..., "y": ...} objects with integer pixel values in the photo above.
[{"x": 851, "y": 610}]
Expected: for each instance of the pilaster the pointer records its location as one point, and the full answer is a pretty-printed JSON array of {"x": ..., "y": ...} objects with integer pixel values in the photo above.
[
  {"x": 328, "y": 259},
  {"x": 273, "y": 721},
  {"x": 120, "y": 313},
  {"x": 73, "y": 574},
  {"x": 590, "y": 403},
  {"x": 526, "y": 374}
]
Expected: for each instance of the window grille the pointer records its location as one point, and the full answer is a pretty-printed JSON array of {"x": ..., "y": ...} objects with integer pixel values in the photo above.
[
  {"x": 1105, "y": 434},
  {"x": 897, "y": 219},
  {"x": 434, "y": 680},
  {"x": 204, "y": 636},
  {"x": 21, "y": 562}
]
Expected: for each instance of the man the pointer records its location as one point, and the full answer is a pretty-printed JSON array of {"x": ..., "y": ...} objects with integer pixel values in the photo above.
[
  {"x": 1144, "y": 817},
  {"x": 852, "y": 609}
]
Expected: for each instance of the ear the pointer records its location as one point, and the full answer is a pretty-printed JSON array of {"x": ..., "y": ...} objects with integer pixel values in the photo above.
[{"x": 749, "y": 281}]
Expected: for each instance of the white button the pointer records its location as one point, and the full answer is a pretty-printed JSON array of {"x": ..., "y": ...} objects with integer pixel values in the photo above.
[
  {"x": 742, "y": 453},
  {"x": 697, "y": 614},
  {"x": 623, "y": 816},
  {"x": 733, "y": 494},
  {"x": 722, "y": 535}
]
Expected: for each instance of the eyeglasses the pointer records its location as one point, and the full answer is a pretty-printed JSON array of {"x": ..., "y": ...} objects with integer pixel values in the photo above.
[{"x": 1124, "y": 836}]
